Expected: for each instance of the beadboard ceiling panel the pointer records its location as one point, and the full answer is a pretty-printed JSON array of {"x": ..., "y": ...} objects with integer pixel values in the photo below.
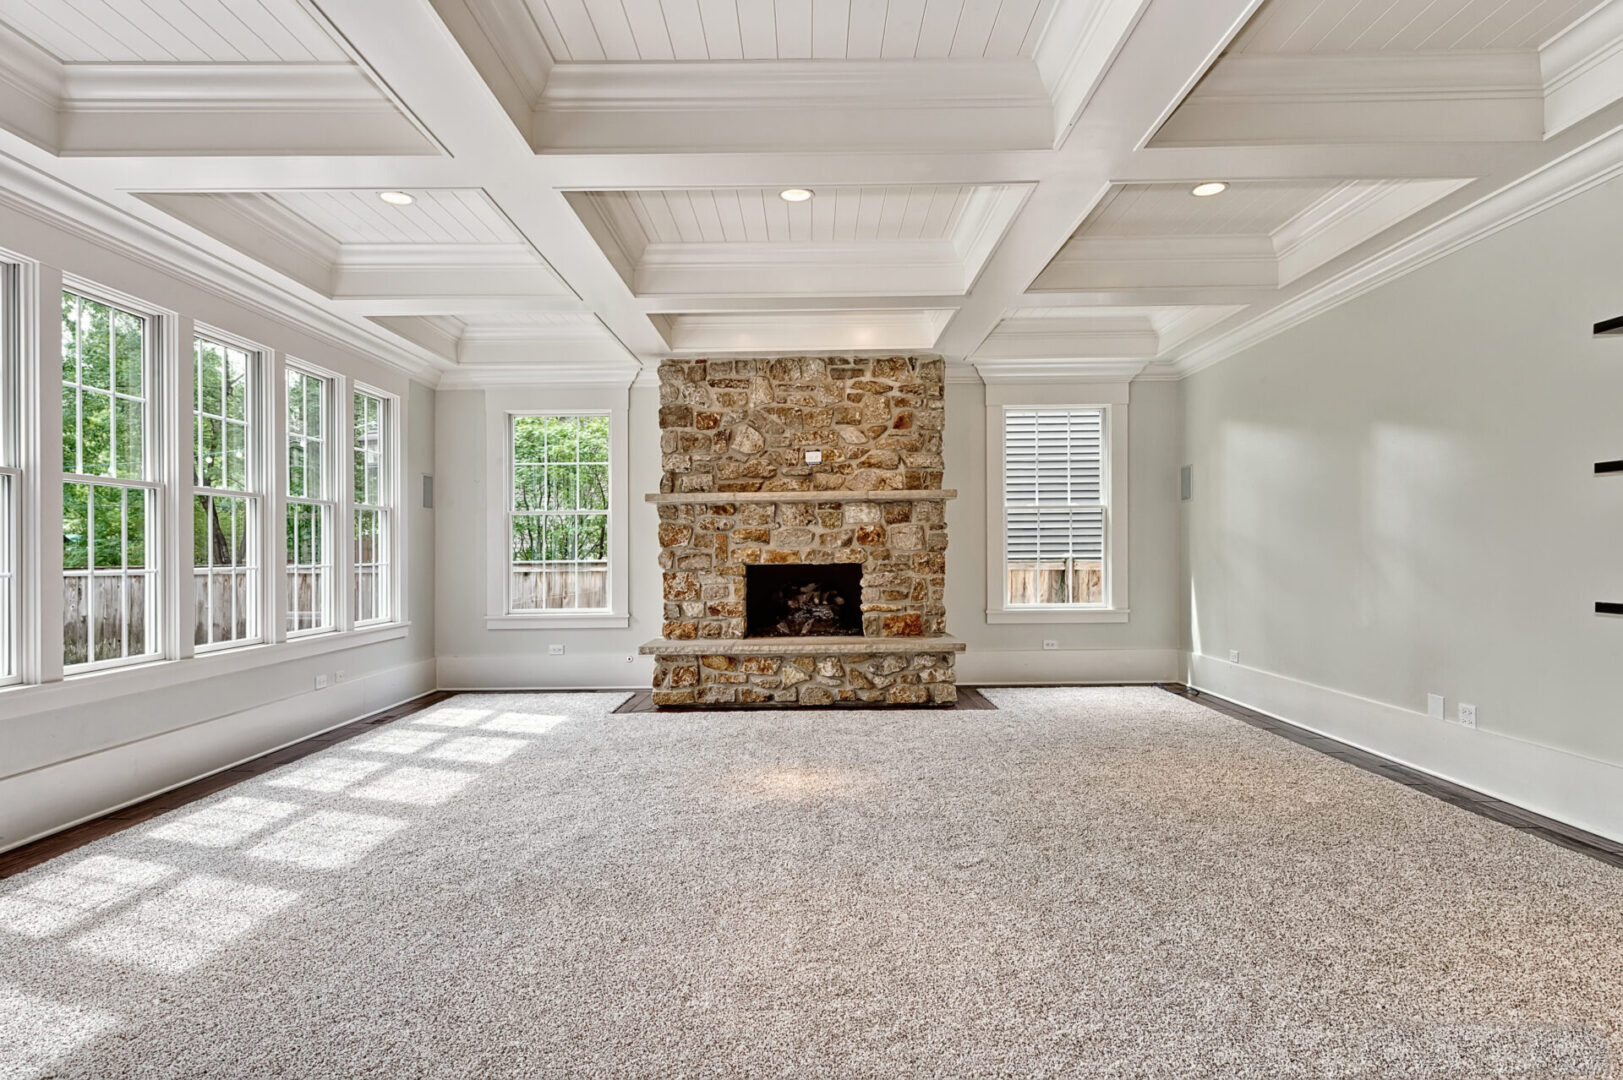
[
  {"x": 1321, "y": 26},
  {"x": 1170, "y": 210},
  {"x": 437, "y": 217},
  {"x": 159, "y": 31},
  {"x": 698, "y": 30},
  {"x": 758, "y": 215}
]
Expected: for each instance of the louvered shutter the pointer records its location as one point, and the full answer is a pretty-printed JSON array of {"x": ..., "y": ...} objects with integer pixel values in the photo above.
[{"x": 1053, "y": 473}]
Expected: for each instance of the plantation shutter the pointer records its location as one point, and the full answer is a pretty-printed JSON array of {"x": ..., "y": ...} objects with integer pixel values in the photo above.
[{"x": 1053, "y": 475}]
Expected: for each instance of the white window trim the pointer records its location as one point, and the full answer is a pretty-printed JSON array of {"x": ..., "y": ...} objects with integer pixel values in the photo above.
[
  {"x": 14, "y": 281},
  {"x": 263, "y": 477},
  {"x": 168, "y": 412},
  {"x": 500, "y": 407},
  {"x": 394, "y": 489},
  {"x": 335, "y": 500},
  {"x": 1111, "y": 397}
]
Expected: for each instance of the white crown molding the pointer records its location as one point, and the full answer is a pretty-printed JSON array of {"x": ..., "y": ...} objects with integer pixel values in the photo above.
[
  {"x": 858, "y": 330},
  {"x": 193, "y": 87},
  {"x": 1573, "y": 174},
  {"x": 1159, "y": 262},
  {"x": 1077, "y": 337},
  {"x": 1582, "y": 67},
  {"x": 30, "y": 69},
  {"x": 547, "y": 373},
  {"x": 793, "y": 84},
  {"x": 1348, "y": 217},
  {"x": 436, "y": 257},
  {"x": 1058, "y": 370},
  {"x": 62, "y": 207},
  {"x": 793, "y": 105},
  {"x": 1360, "y": 97},
  {"x": 502, "y": 39},
  {"x": 986, "y": 217}
]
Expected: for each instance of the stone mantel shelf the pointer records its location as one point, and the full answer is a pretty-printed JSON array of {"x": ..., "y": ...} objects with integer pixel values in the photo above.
[
  {"x": 828, "y": 645},
  {"x": 670, "y": 498}
]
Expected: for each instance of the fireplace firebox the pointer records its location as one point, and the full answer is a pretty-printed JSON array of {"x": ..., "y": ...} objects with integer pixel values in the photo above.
[{"x": 799, "y": 600}]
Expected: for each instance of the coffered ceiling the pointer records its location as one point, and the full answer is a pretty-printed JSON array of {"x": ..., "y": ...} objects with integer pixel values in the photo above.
[{"x": 596, "y": 184}]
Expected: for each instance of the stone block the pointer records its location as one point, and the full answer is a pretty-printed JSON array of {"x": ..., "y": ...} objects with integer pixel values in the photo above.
[
  {"x": 719, "y": 663},
  {"x": 673, "y": 697},
  {"x": 811, "y": 694},
  {"x": 761, "y": 665}
]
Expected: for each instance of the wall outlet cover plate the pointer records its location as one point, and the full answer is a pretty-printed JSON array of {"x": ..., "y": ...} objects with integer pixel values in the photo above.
[{"x": 1434, "y": 706}]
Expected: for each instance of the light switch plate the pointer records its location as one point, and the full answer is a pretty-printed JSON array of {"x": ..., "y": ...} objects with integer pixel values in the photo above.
[{"x": 1434, "y": 706}]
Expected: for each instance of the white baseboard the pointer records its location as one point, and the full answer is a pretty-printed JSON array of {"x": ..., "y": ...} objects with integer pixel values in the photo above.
[
  {"x": 575, "y": 671},
  {"x": 54, "y": 797},
  {"x": 1025, "y": 667},
  {"x": 1578, "y": 791}
]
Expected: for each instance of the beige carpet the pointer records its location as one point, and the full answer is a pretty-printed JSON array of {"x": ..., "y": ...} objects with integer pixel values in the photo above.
[{"x": 1086, "y": 883}]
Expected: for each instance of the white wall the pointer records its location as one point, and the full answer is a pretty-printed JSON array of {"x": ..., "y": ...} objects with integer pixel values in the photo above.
[
  {"x": 1145, "y": 648},
  {"x": 471, "y": 655},
  {"x": 1398, "y": 497},
  {"x": 75, "y": 749}
]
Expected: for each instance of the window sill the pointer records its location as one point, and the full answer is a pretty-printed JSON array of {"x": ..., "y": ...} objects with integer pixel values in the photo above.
[
  {"x": 89, "y": 687},
  {"x": 1057, "y": 615},
  {"x": 585, "y": 620}
]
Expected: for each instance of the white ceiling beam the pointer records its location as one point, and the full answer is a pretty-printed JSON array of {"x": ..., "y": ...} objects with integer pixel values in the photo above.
[
  {"x": 410, "y": 49},
  {"x": 1161, "y": 59}
]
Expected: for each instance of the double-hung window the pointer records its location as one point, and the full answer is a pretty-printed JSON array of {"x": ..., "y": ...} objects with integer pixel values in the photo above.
[
  {"x": 10, "y": 482},
  {"x": 373, "y": 526},
  {"x": 1056, "y": 523},
  {"x": 1054, "y": 506},
  {"x": 110, "y": 488},
  {"x": 227, "y": 499},
  {"x": 558, "y": 517},
  {"x": 310, "y": 502}
]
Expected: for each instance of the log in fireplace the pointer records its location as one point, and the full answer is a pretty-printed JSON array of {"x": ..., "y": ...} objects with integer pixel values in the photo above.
[{"x": 803, "y": 601}]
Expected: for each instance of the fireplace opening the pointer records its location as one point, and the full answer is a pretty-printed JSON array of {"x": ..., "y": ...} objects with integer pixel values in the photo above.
[{"x": 796, "y": 600}]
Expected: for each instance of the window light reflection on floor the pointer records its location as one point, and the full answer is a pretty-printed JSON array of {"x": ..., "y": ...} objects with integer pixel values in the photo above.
[
  {"x": 225, "y": 823},
  {"x": 522, "y": 723},
  {"x": 416, "y": 787},
  {"x": 35, "y": 1032},
  {"x": 478, "y": 750},
  {"x": 452, "y": 716},
  {"x": 68, "y": 897},
  {"x": 327, "y": 775},
  {"x": 326, "y": 840},
  {"x": 186, "y": 924},
  {"x": 396, "y": 741}
]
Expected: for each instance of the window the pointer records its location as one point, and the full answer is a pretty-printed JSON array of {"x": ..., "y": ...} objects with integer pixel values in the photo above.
[
  {"x": 226, "y": 502},
  {"x": 372, "y": 522},
  {"x": 109, "y": 490},
  {"x": 1054, "y": 506},
  {"x": 310, "y": 503},
  {"x": 10, "y": 484},
  {"x": 558, "y": 514},
  {"x": 1056, "y": 524}
]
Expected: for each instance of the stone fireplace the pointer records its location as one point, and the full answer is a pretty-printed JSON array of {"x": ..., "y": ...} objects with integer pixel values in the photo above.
[{"x": 796, "y": 578}]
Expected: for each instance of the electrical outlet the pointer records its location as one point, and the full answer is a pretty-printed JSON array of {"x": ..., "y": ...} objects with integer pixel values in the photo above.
[
  {"x": 814, "y": 457},
  {"x": 1049, "y": 644},
  {"x": 340, "y": 675},
  {"x": 1434, "y": 706},
  {"x": 321, "y": 681},
  {"x": 555, "y": 650},
  {"x": 1234, "y": 656},
  {"x": 1467, "y": 714}
]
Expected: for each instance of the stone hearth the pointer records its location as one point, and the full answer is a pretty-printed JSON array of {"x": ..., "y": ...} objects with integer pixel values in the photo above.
[{"x": 737, "y": 491}]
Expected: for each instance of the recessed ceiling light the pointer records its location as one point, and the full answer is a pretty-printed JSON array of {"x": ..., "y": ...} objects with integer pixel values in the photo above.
[
  {"x": 794, "y": 194},
  {"x": 396, "y": 198},
  {"x": 1215, "y": 187}
]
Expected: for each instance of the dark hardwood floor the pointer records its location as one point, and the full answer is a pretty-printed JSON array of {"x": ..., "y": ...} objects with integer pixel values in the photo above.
[{"x": 1596, "y": 847}]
